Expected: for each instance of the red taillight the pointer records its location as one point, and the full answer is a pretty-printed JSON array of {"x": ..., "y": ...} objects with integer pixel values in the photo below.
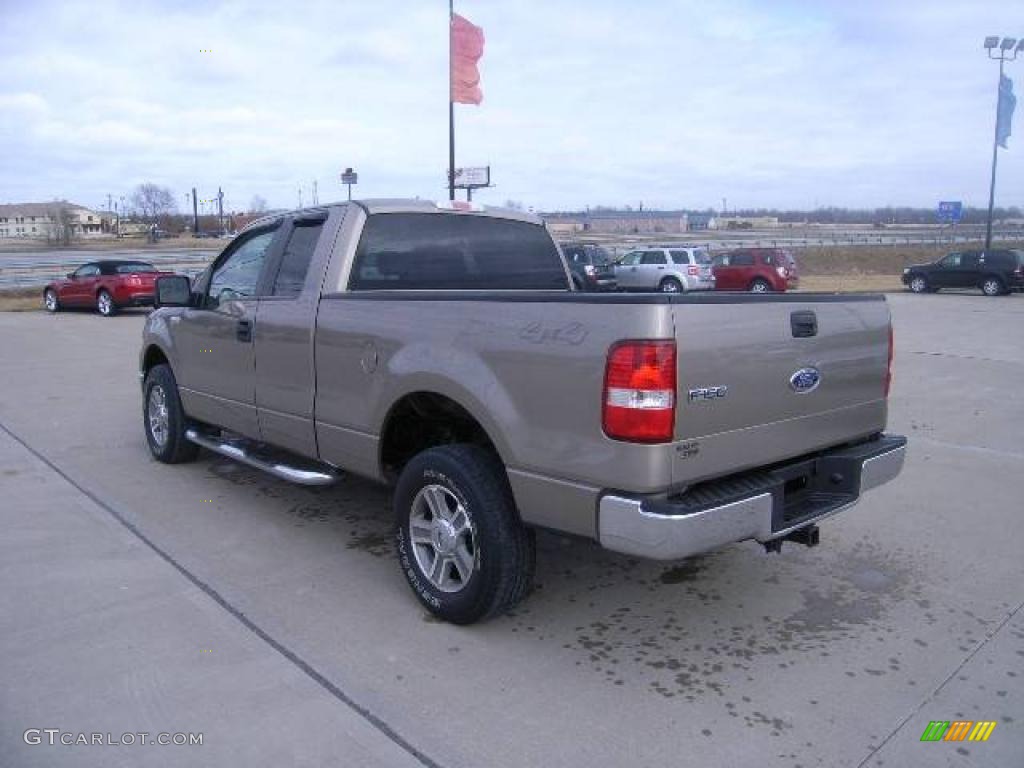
[
  {"x": 691, "y": 270},
  {"x": 640, "y": 391},
  {"x": 888, "y": 370}
]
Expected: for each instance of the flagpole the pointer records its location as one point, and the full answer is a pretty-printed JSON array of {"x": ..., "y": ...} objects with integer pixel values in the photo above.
[{"x": 451, "y": 107}]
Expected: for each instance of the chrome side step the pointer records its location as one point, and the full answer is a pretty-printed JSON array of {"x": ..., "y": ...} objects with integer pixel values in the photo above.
[{"x": 239, "y": 450}]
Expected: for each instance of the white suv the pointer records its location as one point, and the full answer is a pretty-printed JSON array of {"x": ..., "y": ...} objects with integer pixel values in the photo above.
[{"x": 672, "y": 269}]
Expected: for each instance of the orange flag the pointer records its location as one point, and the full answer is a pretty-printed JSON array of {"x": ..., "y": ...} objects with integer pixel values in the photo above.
[{"x": 467, "y": 46}]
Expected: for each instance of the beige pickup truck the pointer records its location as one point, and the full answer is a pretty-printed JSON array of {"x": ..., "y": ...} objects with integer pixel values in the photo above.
[{"x": 442, "y": 349}]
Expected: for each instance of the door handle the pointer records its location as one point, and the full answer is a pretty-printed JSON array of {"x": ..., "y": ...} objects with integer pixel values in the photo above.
[
  {"x": 660, "y": 267},
  {"x": 243, "y": 332}
]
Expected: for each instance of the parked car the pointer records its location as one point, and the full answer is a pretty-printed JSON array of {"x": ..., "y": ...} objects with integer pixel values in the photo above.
[
  {"x": 592, "y": 267},
  {"x": 676, "y": 269},
  {"x": 439, "y": 348},
  {"x": 995, "y": 272},
  {"x": 106, "y": 285},
  {"x": 758, "y": 270}
]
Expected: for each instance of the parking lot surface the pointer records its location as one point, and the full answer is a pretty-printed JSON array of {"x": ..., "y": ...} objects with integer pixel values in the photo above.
[{"x": 210, "y": 598}]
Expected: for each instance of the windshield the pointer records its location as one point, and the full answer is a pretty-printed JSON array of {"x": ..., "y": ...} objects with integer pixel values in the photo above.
[{"x": 134, "y": 266}]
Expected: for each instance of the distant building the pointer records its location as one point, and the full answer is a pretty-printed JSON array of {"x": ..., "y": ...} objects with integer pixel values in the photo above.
[
  {"x": 617, "y": 222},
  {"x": 746, "y": 222},
  {"x": 38, "y": 220},
  {"x": 698, "y": 222}
]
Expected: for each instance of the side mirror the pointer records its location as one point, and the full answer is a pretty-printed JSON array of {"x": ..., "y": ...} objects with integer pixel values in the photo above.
[
  {"x": 71, "y": 275},
  {"x": 172, "y": 291}
]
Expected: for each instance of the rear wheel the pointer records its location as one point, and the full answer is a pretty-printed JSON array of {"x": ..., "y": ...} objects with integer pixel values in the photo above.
[
  {"x": 50, "y": 300},
  {"x": 992, "y": 286},
  {"x": 670, "y": 285},
  {"x": 760, "y": 285},
  {"x": 105, "y": 304},
  {"x": 164, "y": 419},
  {"x": 918, "y": 284},
  {"x": 460, "y": 542}
]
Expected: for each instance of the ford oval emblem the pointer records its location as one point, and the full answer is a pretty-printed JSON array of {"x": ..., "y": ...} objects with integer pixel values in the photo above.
[{"x": 805, "y": 380}]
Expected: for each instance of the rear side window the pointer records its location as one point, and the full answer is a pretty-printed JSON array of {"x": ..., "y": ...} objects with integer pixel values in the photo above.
[
  {"x": 412, "y": 251},
  {"x": 680, "y": 257},
  {"x": 298, "y": 253},
  {"x": 134, "y": 266}
]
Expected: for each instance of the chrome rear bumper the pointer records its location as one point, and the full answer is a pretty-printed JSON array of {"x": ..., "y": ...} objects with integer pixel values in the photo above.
[{"x": 763, "y": 506}]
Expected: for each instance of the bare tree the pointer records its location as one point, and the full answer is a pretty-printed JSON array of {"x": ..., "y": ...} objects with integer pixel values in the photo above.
[
  {"x": 61, "y": 225},
  {"x": 153, "y": 200},
  {"x": 257, "y": 204}
]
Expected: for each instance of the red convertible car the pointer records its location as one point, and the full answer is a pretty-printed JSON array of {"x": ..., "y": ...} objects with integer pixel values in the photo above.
[{"x": 105, "y": 285}]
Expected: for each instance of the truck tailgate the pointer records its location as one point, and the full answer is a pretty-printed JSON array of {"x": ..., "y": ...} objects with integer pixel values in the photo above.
[{"x": 765, "y": 380}]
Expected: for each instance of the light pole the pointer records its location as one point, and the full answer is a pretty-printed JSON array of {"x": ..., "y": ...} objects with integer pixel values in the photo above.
[{"x": 1003, "y": 51}]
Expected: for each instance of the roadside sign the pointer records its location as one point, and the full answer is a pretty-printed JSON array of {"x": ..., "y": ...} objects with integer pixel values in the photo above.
[
  {"x": 950, "y": 211},
  {"x": 472, "y": 178},
  {"x": 348, "y": 176}
]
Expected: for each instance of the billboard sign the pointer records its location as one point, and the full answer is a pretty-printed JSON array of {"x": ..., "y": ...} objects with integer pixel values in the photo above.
[
  {"x": 950, "y": 211},
  {"x": 473, "y": 178}
]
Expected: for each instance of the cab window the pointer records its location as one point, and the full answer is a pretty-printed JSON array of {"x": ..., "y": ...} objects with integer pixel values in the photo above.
[
  {"x": 237, "y": 275},
  {"x": 654, "y": 257},
  {"x": 631, "y": 259},
  {"x": 298, "y": 253},
  {"x": 952, "y": 261}
]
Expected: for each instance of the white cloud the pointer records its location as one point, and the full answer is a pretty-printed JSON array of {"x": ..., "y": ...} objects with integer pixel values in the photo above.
[{"x": 671, "y": 103}]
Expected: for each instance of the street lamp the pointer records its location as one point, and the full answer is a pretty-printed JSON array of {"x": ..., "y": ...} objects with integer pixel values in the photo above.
[{"x": 1004, "y": 51}]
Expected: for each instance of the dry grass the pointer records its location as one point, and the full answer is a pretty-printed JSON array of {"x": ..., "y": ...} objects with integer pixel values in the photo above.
[
  {"x": 21, "y": 300},
  {"x": 874, "y": 259},
  {"x": 851, "y": 283}
]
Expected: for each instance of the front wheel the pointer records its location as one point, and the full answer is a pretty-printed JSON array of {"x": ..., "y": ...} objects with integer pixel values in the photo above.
[
  {"x": 105, "y": 304},
  {"x": 918, "y": 284},
  {"x": 992, "y": 286},
  {"x": 460, "y": 542},
  {"x": 50, "y": 300},
  {"x": 164, "y": 418},
  {"x": 760, "y": 286}
]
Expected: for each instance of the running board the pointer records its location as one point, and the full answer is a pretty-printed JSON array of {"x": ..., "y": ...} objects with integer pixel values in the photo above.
[{"x": 240, "y": 450}]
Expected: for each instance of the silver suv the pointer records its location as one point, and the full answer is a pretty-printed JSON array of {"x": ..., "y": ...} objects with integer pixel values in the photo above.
[{"x": 674, "y": 269}]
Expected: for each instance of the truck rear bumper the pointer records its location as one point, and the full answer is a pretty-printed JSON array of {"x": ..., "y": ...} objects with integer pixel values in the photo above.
[{"x": 764, "y": 505}]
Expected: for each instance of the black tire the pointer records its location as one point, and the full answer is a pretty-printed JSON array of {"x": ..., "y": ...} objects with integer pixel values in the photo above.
[
  {"x": 174, "y": 449},
  {"x": 992, "y": 286},
  {"x": 760, "y": 285},
  {"x": 918, "y": 284},
  {"x": 105, "y": 304},
  {"x": 503, "y": 551},
  {"x": 670, "y": 285},
  {"x": 50, "y": 300}
]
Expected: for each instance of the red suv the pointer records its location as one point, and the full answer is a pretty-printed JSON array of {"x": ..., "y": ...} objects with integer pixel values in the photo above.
[
  {"x": 105, "y": 285},
  {"x": 756, "y": 269}
]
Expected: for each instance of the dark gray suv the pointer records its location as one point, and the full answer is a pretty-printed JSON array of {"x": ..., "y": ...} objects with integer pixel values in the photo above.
[{"x": 995, "y": 272}]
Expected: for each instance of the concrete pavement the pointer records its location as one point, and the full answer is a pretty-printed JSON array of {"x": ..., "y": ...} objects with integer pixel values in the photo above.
[{"x": 209, "y": 597}]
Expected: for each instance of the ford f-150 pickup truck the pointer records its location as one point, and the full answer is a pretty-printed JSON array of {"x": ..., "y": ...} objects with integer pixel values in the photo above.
[{"x": 442, "y": 349}]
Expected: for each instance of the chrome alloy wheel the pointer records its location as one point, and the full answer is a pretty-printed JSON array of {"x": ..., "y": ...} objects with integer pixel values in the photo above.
[
  {"x": 156, "y": 413},
  {"x": 442, "y": 537},
  {"x": 104, "y": 303},
  {"x": 50, "y": 300},
  {"x": 918, "y": 285}
]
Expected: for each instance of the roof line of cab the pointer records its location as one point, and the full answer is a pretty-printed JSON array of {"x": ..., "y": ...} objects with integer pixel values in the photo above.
[{"x": 406, "y": 205}]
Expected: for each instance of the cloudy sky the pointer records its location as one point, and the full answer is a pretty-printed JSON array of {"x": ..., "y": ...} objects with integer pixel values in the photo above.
[{"x": 669, "y": 103}]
